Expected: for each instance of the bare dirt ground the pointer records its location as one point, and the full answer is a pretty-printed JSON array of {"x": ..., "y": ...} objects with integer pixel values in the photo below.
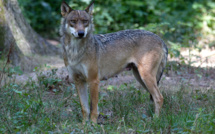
[{"x": 200, "y": 75}]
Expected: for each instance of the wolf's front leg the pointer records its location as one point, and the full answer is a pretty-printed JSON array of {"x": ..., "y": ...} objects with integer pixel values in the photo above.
[
  {"x": 83, "y": 96},
  {"x": 94, "y": 97}
]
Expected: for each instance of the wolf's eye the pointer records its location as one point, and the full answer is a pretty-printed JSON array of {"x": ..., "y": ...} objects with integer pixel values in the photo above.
[
  {"x": 73, "y": 21},
  {"x": 85, "y": 21}
]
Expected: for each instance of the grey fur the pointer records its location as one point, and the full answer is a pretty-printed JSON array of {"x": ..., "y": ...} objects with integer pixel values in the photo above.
[{"x": 97, "y": 57}]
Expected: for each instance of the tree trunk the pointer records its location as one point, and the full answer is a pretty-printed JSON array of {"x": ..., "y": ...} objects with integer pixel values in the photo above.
[{"x": 17, "y": 35}]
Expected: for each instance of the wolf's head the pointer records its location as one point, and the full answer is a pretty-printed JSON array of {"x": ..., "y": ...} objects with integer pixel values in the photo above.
[{"x": 77, "y": 22}]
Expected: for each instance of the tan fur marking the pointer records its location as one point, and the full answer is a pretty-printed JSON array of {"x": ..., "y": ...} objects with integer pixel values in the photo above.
[
  {"x": 93, "y": 81},
  {"x": 148, "y": 69}
]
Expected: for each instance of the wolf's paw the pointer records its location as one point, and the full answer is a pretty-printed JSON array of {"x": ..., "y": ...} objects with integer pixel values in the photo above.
[{"x": 101, "y": 119}]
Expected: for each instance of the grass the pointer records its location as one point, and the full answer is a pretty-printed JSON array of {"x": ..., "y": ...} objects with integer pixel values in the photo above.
[{"x": 52, "y": 106}]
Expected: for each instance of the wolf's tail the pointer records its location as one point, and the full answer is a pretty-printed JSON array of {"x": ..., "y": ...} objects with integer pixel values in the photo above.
[{"x": 162, "y": 64}]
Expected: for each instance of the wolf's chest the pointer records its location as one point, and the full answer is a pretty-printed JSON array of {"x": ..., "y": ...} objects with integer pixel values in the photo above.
[
  {"x": 74, "y": 54},
  {"x": 78, "y": 69}
]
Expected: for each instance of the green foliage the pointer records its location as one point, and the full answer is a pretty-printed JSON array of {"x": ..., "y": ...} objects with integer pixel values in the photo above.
[
  {"x": 117, "y": 15},
  {"x": 43, "y": 16},
  {"x": 48, "y": 80},
  {"x": 172, "y": 20}
]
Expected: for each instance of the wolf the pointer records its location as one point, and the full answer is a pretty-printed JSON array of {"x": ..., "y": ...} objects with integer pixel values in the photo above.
[{"x": 90, "y": 58}]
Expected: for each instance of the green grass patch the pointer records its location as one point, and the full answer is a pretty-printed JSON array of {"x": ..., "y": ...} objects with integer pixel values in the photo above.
[{"x": 52, "y": 106}]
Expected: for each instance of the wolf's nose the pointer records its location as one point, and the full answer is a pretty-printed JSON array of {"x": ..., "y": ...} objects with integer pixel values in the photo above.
[{"x": 81, "y": 33}]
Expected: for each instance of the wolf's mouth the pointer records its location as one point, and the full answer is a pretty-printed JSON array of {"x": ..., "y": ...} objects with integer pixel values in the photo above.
[{"x": 80, "y": 37}]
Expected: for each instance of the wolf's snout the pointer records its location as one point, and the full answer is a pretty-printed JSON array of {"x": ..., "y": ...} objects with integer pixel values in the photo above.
[{"x": 80, "y": 33}]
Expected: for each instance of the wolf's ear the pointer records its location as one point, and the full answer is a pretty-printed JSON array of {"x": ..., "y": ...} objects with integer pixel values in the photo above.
[
  {"x": 89, "y": 9},
  {"x": 65, "y": 9}
]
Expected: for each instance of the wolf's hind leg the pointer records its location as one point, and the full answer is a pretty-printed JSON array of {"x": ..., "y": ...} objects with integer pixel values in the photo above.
[
  {"x": 139, "y": 79},
  {"x": 147, "y": 68},
  {"x": 151, "y": 84}
]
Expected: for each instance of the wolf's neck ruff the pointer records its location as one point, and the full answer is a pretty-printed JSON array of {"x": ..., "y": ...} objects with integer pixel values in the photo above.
[{"x": 75, "y": 51}]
